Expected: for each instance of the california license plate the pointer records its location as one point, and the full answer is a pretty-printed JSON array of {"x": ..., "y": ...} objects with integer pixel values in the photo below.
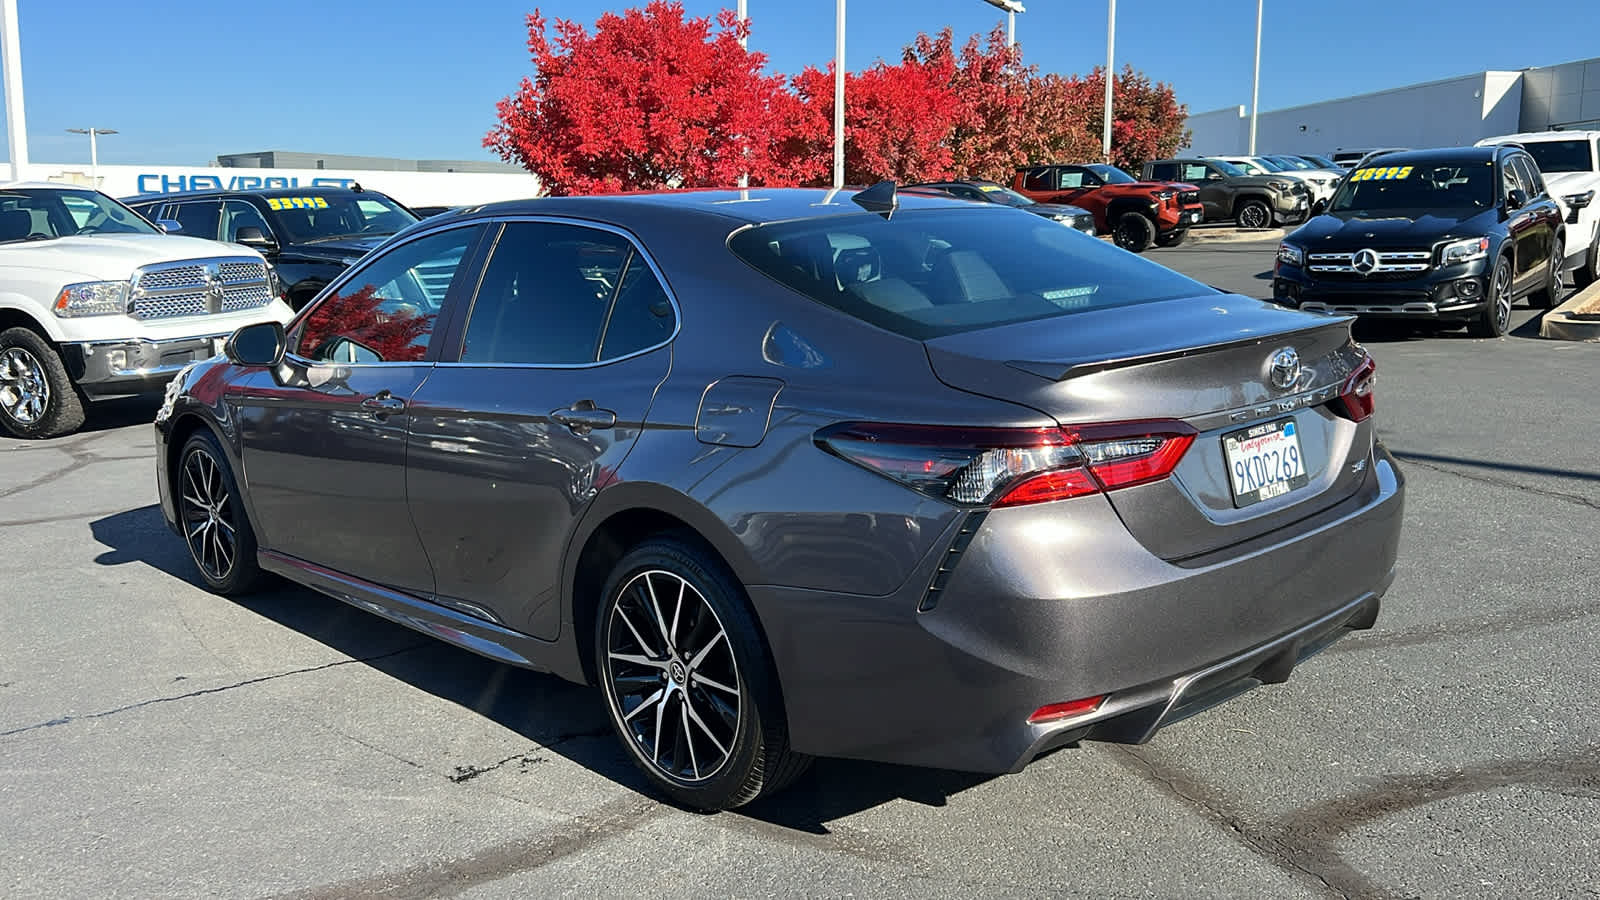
[{"x": 1264, "y": 461}]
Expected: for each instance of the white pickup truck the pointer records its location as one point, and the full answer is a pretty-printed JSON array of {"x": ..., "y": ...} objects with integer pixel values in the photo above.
[
  {"x": 96, "y": 302},
  {"x": 1569, "y": 161}
]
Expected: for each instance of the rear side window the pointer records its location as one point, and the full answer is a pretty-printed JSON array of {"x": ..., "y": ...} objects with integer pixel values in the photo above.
[
  {"x": 199, "y": 219},
  {"x": 1164, "y": 171},
  {"x": 929, "y": 273}
]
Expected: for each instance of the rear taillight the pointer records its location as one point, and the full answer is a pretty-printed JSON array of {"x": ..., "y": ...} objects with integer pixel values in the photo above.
[
  {"x": 1356, "y": 398},
  {"x": 1012, "y": 466}
]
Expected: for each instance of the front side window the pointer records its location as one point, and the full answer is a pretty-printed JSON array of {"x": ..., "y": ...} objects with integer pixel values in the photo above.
[
  {"x": 386, "y": 311},
  {"x": 929, "y": 273},
  {"x": 1194, "y": 172},
  {"x": 1528, "y": 174},
  {"x": 39, "y": 214},
  {"x": 237, "y": 214}
]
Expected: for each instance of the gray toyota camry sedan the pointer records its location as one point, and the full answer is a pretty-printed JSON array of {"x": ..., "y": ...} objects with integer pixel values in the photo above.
[{"x": 796, "y": 473}]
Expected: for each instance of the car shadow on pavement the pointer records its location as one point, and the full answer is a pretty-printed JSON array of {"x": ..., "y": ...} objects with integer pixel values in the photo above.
[
  {"x": 105, "y": 415},
  {"x": 558, "y": 717}
]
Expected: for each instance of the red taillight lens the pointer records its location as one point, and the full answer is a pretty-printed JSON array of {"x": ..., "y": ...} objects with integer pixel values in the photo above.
[
  {"x": 1357, "y": 399},
  {"x": 1013, "y": 466},
  {"x": 1055, "y": 712}
]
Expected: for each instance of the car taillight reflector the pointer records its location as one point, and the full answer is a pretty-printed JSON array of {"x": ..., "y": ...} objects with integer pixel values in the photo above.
[
  {"x": 1012, "y": 466},
  {"x": 1357, "y": 399},
  {"x": 1055, "y": 712}
]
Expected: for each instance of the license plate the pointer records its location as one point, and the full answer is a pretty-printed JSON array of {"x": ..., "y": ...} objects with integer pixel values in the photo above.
[
  {"x": 1192, "y": 217},
  {"x": 1264, "y": 461}
]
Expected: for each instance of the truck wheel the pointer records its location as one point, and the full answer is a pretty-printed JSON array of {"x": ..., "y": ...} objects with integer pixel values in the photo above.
[
  {"x": 1547, "y": 296},
  {"x": 1172, "y": 239},
  {"x": 1253, "y": 214},
  {"x": 37, "y": 399},
  {"x": 1495, "y": 319},
  {"x": 1134, "y": 232},
  {"x": 1589, "y": 272}
]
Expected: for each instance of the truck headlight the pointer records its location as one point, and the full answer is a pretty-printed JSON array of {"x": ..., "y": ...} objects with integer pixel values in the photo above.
[
  {"x": 92, "y": 298},
  {"x": 1279, "y": 185},
  {"x": 1462, "y": 251},
  {"x": 1290, "y": 255},
  {"x": 1578, "y": 201}
]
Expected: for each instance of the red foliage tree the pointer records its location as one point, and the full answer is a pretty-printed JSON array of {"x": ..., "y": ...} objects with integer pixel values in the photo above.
[
  {"x": 897, "y": 121},
  {"x": 1146, "y": 117},
  {"x": 358, "y": 316},
  {"x": 991, "y": 127},
  {"x": 650, "y": 100}
]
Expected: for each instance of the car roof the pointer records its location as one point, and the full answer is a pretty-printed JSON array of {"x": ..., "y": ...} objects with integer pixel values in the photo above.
[
  {"x": 756, "y": 206},
  {"x": 1539, "y": 136},
  {"x": 1439, "y": 154},
  {"x": 43, "y": 185},
  {"x": 209, "y": 193}
]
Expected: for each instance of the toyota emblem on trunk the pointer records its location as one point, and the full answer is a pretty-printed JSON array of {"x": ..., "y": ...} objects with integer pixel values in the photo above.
[
  {"x": 1283, "y": 368},
  {"x": 1365, "y": 262}
]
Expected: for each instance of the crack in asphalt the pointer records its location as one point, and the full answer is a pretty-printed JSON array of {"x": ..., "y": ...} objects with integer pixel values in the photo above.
[
  {"x": 528, "y": 757},
  {"x": 63, "y": 517},
  {"x": 450, "y": 877},
  {"x": 65, "y": 720},
  {"x": 78, "y": 455},
  {"x": 1574, "y": 499},
  {"x": 1272, "y": 850}
]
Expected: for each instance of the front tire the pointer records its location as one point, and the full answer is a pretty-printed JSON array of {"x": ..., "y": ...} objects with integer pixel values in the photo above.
[
  {"x": 37, "y": 397},
  {"x": 215, "y": 528},
  {"x": 1253, "y": 215},
  {"x": 1548, "y": 296},
  {"x": 1495, "y": 319},
  {"x": 690, "y": 689},
  {"x": 1134, "y": 232}
]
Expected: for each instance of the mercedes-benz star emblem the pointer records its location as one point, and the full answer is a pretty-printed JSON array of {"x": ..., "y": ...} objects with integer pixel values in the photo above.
[
  {"x": 1365, "y": 261},
  {"x": 1283, "y": 368}
]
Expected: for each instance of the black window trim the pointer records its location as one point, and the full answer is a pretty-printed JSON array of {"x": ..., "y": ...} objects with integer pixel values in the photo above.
[
  {"x": 450, "y": 356},
  {"x": 471, "y": 263}
]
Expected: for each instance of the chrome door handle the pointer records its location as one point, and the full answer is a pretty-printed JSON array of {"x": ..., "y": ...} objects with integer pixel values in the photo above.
[
  {"x": 383, "y": 404},
  {"x": 583, "y": 419}
]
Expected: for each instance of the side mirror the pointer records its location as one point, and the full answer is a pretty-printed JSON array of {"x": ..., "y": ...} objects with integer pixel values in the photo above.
[
  {"x": 170, "y": 226},
  {"x": 1319, "y": 207},
  {"x": 254, "y": 238},
  {"x": 261, "y": 344},
  {"x": 1517, "y": 199}
]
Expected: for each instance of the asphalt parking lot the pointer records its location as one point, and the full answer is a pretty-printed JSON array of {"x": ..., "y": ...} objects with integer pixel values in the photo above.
[{"x": 157, "y": 741}]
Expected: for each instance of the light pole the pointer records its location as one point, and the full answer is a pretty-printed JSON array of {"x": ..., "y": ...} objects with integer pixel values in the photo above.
[
  {"x": 744, "y": 177},
  {"x": 94, "y": 150},
  {"x": 1255, "y": 82},
  {"x": 838, "y": 95},
  {"x": 1012, "y": 7},
  {"x": 16, "y": 120},
  {"x": 1111, "y": 46}
]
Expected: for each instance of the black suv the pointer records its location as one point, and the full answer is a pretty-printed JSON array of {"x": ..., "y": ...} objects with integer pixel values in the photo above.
[
  {"x": 310, "y": 235},
  {"x": 1450, "y": 235}
]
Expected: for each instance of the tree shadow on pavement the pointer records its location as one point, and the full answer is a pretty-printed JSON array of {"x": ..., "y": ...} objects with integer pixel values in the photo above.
[{"x": 557, "y": 716}]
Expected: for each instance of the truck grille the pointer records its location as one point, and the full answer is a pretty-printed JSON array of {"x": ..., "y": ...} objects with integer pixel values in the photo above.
[
  {"x": 1188, "y": 197},
  {"x": 1370, "y": 265},
  {"x": 199, "y": 287}
]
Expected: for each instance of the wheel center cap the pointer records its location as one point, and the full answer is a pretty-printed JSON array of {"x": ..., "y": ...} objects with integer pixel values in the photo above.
[{"x": 677, "y": 672}]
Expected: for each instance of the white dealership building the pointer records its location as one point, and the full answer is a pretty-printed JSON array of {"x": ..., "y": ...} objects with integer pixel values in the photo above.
[{"x": 1451, "y": 112}]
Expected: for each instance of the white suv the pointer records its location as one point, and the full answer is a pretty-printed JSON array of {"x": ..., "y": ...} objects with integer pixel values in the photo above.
[
  {"x": 1570, "y": 164},
  {"x": 96, "y": 302}
]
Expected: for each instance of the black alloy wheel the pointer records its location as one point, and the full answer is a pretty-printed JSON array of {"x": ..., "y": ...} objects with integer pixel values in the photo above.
[
  {"x": 1134, "y": 232},
  {"x": 1495, "y": 319},
  {"x": 689, "y": 688},
  {"x": 1549, "y": 294},
  {"x": 1253, "y": 215},
  {"x": 218, "y": 535}
]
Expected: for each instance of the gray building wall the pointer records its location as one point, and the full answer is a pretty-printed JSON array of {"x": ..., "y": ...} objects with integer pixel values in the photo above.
[
  {"x": 288, "y": 159},
  {"x": 1453, "y": 111}
]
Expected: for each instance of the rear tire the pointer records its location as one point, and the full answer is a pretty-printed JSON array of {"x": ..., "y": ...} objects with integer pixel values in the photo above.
[
  {"x": 689, "y": 685},
  {"x": 1495, "y": 319},
  {"x": 1548, "y": 296},
  {"x": 1172, "y": 239},
  {"x": 216, "y": 530},
  {"x": 1253, "y": 215},
  {"x": 37, "y": 397},
  {"x": 1134, "y": 232}
]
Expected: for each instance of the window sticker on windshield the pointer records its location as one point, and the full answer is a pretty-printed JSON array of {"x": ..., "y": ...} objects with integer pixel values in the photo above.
[
  {"x": 988, "y": 188},
  {"x": 297, "y": 203},
  {"x": 1392, "y": 173}
]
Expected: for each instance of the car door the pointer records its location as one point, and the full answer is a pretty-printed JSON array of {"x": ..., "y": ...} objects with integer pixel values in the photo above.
[
  {"x": 1546, "y": 213},
  {"x": 1523, "y": 225},
  {"x": 561, "y": 352},
  {"x": 324, "y": 438},
  {"x": 1215, "y": 195}
]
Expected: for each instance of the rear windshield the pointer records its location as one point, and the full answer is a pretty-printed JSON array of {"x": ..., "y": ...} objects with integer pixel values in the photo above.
[
  {"x": 1561, "y": 156},
  {"x": 929, "y": 273}
]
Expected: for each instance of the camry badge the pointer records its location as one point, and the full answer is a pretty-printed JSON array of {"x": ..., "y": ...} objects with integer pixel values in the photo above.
[
  {"x": 1283, "y": 368},
  {"x": 1365, "y": 261}
]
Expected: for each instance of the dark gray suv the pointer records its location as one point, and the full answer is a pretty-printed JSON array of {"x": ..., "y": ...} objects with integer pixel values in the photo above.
[
  {"x": 803, "y": 473},
  {"x": 1229, "y": 192}
]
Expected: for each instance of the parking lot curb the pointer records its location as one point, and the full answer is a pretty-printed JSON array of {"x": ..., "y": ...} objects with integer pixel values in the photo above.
[
  {"x": 1566, "y": 323},
  {"x": 1235, "y": 235}
]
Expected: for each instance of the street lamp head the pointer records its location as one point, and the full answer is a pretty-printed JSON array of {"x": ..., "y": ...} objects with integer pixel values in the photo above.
[
  {"x": 92, "y": 131},
  {"x": 1011, "y": 6}
]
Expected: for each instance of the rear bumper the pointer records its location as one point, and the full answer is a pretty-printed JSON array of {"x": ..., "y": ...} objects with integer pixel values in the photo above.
[{"x": 1058, "y": 602}]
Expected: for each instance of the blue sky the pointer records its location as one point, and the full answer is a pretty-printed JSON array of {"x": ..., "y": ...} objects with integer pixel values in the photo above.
[{"x": 184, "y": 80}]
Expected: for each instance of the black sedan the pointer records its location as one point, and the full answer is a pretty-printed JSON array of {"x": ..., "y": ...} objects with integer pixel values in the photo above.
[
  {"x": 991, "y": 192},
  {"x": 1452, "y": 236},
  {"x": 790, "y": 473}
]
